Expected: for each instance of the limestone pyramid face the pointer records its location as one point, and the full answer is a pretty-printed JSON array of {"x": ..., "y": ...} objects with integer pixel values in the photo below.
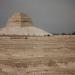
[
  {"x": 20, "y": 19},
  {"x": 21, "y": 24}
]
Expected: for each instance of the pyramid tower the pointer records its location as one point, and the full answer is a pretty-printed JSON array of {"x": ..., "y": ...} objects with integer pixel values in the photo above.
[
  {"x": 21, "y": 24},
  {"x": 19, "y": 19}
]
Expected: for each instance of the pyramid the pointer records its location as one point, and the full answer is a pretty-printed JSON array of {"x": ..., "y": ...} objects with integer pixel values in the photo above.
[
  {"x": 19, "y": 19},
  {"x": 21, "y": 24}
]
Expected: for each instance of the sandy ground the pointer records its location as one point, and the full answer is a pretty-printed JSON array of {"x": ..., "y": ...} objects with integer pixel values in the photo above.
[{"x": 53, "y": 55}]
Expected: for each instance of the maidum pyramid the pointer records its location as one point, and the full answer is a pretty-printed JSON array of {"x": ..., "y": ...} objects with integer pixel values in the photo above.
[
  {"x": 21, "y": 24},
  {"x": 19, "y": 19}
]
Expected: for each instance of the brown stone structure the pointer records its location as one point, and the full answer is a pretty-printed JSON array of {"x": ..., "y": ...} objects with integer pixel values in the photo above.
[
  {"x": 20, "y": 19},
  {"x": 21, "y": 24},
  {"x": 24, "y": 51}
]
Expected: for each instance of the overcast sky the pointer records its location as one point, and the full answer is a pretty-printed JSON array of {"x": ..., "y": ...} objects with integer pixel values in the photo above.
[{"x": 54, "y": 16}]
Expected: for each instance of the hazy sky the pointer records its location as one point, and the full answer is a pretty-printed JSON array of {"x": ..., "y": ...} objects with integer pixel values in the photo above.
[{"x": 54, "y": 16}]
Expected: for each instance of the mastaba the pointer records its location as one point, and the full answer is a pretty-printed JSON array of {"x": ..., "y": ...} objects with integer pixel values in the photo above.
[{"x": 21, "y": 24}]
